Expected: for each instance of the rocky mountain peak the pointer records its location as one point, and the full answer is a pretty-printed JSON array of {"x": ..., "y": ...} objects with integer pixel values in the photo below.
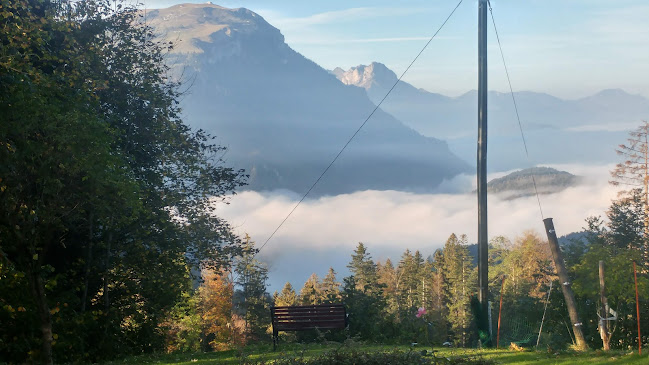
[
  {"x": 189, "y": 26},
  {"x": 367, "y": 76}
]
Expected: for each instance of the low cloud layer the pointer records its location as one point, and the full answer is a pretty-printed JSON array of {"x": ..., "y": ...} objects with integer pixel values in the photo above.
[{"x": 323, "y": 232}]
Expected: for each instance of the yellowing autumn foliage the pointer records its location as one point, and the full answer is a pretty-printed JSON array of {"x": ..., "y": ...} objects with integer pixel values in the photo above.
[{"x": 215, "y": 309}]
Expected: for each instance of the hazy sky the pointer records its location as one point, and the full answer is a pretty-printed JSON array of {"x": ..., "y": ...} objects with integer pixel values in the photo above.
[{"x": 568, "y": 48}]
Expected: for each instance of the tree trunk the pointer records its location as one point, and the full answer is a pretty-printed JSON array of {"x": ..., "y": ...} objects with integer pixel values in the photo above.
[
  {"x": 603, "y": 323},
  {"x": 38, "y": 291},
  {"x": 86, "y": 279},
  {"x": 106, "y": 272}
]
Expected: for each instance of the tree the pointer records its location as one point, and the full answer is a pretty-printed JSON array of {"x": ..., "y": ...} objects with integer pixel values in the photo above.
[
  {"x": 106, "y": 195},
  {"x": 457, "y": 270},
  {"x": 527, "y": 265},
  {"x": 626, "y": 217},
  {"x": 364, "y": 270},
  {"x": 634, "y": 172},
  {"x": 363, "y": 295},
  {"x": 182, "y": 326},
  {"x": 215, "y": 308},
  {"x": 618, "y": 243},
  {"x": 330, "y": 288},
  {"x": 411, "y": 285},
  {"x": 287, "y": 297},
  {"x": 390, "y": 279},
  {"x": 252, "y": 303},
  {"x": 310, "y": 293},
  {"x": 438, "y": 309},
  {"x": 620, "y": 290}
]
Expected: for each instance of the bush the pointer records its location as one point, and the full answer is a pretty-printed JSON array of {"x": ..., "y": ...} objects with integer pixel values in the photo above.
[{"x": 394, "y": 357}]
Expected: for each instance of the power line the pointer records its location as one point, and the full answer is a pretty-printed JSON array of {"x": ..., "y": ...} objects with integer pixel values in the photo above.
[
  {"x": 511, "y": 91},
  {"x": 360, "y": 127}
]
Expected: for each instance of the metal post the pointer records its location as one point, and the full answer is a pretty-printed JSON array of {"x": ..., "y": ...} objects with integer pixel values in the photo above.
[
  {"x": 565, "y": 284},
  {"x": 483, "y": 239}
]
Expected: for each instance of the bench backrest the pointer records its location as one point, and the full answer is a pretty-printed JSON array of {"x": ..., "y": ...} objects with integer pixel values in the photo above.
[{"x": 304, "y": 317}]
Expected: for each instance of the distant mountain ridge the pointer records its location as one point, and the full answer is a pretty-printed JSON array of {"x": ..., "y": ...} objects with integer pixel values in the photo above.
[
  {"x": 450, "y": 117},
  {"x": 582, "y": 130},
  {"x": 283, "y": 117}
]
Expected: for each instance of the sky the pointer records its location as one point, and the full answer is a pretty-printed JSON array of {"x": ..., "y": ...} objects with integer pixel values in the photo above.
[{"x": 567, "y": 48}]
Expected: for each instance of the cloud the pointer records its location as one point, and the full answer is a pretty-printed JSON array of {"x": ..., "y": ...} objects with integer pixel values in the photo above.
[
  {"x": 323, "y": 232},
  {"x": 335, "y": 41},
  {"x": 333, "y": 17},
  {"x": 316, "y": 29},
  {"x": 608, "y": 127}
]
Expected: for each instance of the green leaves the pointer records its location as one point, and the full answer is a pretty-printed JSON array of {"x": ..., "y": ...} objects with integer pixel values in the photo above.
[{"x": 100, "y": 179}]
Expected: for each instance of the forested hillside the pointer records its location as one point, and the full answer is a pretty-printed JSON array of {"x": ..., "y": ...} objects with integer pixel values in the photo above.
[{"x": 526, "y": 182}]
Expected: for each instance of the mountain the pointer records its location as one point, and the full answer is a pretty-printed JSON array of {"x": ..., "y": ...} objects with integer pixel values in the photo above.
[
  {"x": 450, "y": 117},
  {"x": 582, "y": 130},
  {"x": 519, "y": 183},
  {"x": 374, "y": 77},
  {"x": 283, "y": 117}
]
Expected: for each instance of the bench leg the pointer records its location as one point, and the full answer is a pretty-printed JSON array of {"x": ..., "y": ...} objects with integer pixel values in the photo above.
[{"x": 275, "y": 340}]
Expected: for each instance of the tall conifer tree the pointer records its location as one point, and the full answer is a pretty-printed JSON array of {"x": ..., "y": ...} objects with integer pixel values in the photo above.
[
  {"x": 330, "y": 288},
  {"x": 287, "y": 297},
  {"x": 310, "y": 293},
  {"x": 253, "y": 302},
  {"x": 457, "y": 269}
]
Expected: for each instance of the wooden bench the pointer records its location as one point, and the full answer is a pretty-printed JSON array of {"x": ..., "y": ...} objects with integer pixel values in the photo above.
[{"x": 307, "y": 317}]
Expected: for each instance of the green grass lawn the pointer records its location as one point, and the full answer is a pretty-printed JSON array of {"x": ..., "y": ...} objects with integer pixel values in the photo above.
[{"x": 264, "y": 354}]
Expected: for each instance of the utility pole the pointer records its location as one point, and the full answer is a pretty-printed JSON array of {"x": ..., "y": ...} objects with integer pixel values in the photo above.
[
  {"x": 483, "y": 238},
  {"x": 565, "y": 284}
]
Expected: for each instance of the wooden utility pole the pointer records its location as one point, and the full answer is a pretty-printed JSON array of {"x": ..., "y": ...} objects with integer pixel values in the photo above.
[
  {"x": 565, "y": 284},
  {"x": 483, "y": 238},
  {"x": 603, "y": 321}
]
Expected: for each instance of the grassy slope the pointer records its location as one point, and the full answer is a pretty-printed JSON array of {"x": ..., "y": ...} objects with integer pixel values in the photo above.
[{"x": 265, "y": 353}]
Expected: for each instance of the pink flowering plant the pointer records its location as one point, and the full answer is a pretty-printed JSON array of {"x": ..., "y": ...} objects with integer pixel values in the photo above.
[{"x": 421, "y": 313}]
